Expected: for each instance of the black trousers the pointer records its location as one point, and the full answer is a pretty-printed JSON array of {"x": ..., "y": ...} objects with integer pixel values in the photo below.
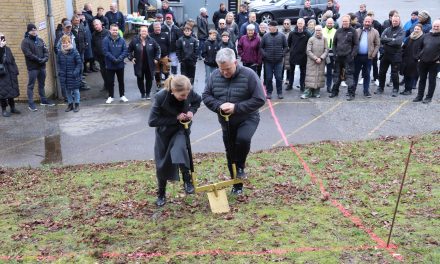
[
  {"x": 427, "y": 70},
  {"x": 237, "y": 136},
  {"x": 302, "y": 75},
  {"x": 251, "y": 66},
  {"x": 145, "y": 89},
  {"x": 343, "y": 62},
  {"x": 385, "y": 63},
  {"x": 103, "y": 71},
  {"x": 188, "y": 69},
  {"x": 5, "y": 102},
  {"x": 111, "y": 82},
  {"x": 375, "y": 69}
]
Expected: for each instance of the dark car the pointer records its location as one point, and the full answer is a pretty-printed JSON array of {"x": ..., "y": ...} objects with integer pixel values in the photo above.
[{"x": 287, "y": 9}]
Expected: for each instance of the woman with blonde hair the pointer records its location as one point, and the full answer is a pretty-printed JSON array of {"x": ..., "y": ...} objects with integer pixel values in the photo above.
[
  {"x": 174, "y": 104},
  {"x": 232, "y": 27},
  {"x": 69, "y": 65}
]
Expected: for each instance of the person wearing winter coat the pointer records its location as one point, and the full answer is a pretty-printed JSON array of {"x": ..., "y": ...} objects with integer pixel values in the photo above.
[
  {"x": 115, "y": 51},
  {"x": 219, "y": 14},
  {"x": 202, "y": 29},
  {"x": 115, "y": 16},
  {"x": 97, "y": 37},
  {"x": 410, "y": 24},
  {"x": 163, "y": 65},
  {"x": 8, "y": 79},
  {"x": 429, "y": 62},
  {"x": 362, "y": 13},
  {"x": 410, "y": 58},
  {"x": 297, "y": 43},
  {"x": 167, "y": 10},
  {"x": 225, "y": 42},
  {"x": 36, "y": 55},
  {"x": 287, "y": 28},
  {"x": 317, "y": 51},
  {"x": 176, "y": 103},
  {"x": 329, "y": 33},
  {"x": 243, "y": 15},
  {"x": 232, "y": 27},
  {"x": 101, "y": 17},
  {"x": 208, "y": 54},
  {"x": 174, "y": 34},
  {"x": 186, "y": 49},
  {"x": 144, "y": 53},
  {"x": 307, "y": 12},
  {"x": 249, "y": 49},
  {"x": 69, "y": 65}
]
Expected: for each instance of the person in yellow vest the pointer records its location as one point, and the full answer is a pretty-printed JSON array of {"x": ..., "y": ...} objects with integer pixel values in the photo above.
[{"x": 329, "y": 33}]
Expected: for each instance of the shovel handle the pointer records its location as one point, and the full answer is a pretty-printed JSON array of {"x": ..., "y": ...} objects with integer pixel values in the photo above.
[
  {"x": 185, "y": 123},
  {"x": 225, "y": 116}
]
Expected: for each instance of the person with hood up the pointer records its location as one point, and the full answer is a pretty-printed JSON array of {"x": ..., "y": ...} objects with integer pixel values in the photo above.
[{"x": 8, "y": 79}]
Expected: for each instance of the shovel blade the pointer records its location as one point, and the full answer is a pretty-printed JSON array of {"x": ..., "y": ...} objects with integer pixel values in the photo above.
[{"x": 218, "y": 203}]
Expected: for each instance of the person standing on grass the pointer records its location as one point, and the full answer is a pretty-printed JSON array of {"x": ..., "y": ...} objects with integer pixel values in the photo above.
[
  {"x": 186, "y": 49},
  {"x": 144, "y": 53},
  {"x": 236, "y": 91},
  {"x": 69, "y": 65},
  {"x": 8, "y": 79},
  {"x": 176, "y": 103},
  {"x": 36, "y": 55},
  {"x": 429, "y": 62},
  {"x": 317, "y": 51},
  {"x": 115, "y": 51}
]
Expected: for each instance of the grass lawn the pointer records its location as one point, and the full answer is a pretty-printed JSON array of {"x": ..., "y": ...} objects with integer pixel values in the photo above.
[{"x": 106, "y": 212}]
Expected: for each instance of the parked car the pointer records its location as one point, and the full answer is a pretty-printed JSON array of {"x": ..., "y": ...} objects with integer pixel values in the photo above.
[
  {"x": 257, "y": 3},
  {"x": 288, "y": 9}
]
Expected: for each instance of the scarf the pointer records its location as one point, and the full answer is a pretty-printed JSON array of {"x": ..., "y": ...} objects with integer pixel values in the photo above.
[
  {"x": 415, "y": 35},
  {"x": 66, "y": 50}
]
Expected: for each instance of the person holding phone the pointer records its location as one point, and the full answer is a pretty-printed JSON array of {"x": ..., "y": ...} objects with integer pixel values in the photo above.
[{"x": 8, "y": 79}]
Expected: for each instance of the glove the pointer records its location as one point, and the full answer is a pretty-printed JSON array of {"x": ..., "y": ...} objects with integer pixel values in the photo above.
[
  {"x": 41, "y": 61},
  {"x": 115, "y": 61}
]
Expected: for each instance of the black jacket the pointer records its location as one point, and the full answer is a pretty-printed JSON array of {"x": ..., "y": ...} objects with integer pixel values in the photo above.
[
  {"x": 97, "y": 38},
  {"x": 392, "y": 39},
  {"x": 229, "y": 44},
  {"x": 164, "y": 43},
  {"x": 361, "y": 16},
  {"x": 89, "y": 18},
  {"x": 174, "y": 34},
  {"x": 336, "y": 14},
  {"x": 104, "y": 21},
  {"x": 217, "y": 16},
  {"x": 202, "y": 28},
  {"x": 35, "y": 52},
  {"x": 346, "y": 42},
  {"x": 273, "y": 46},
  {"x": 410, "y": 56},
  {"x": 9, "y": 81},
  {"x": 209, "y": 52},
  {"x": 135, "y": 50},
  {"x": 164, "y": 12},
  {"x": 430, "y": 48},
  {"x": 307, "y": 14},
  {"x": 116, "y": 18},
  {"x": 170, "y": 144},
  {"x": 244, "y": 89},
  {"x": 297, "y": 43},
  {"x": 80, "y": 38},
  {"x": 186, "y": 49}
]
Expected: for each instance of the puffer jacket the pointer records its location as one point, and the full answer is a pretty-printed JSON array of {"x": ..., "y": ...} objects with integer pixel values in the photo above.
[
  {"x": 115, "y": 51},
  {"x": 273, "y": 46},
  {"x": 186, "y": 49},
  {"x": 209, "y": 52},
  {"x": 35, "y": 52},
  {"x": 69, "y": 69},
  {"x": 9, "y": 81}
]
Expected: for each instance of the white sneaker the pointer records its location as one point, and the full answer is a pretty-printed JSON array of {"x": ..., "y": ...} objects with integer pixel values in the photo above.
[
  {"x": 109, "y": 100},
  {"x": 438, "y": 75},
  {"x": 123, "y": 99},
  {"x": 361, "y": 81},
  {"x": 343, "y": 84},
  {"x": 376, "y": 83}
]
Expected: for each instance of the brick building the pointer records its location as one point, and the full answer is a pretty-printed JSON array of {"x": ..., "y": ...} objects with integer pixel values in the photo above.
[{"x": 16, "y": 14}]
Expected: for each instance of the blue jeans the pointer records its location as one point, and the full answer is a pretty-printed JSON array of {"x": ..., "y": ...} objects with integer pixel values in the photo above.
[
  {"x": 73, "y": 96},
  {"x": 34, "y": 75},
  {"x": 271, "y": 70},
  {"x": 361, "y": 62},
  {"x": 201, "y": 46},
  {"x": 208, "y": 71}
]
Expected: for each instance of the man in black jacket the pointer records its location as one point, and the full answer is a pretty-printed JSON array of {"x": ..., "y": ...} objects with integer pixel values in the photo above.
[
  {"x": 345, "y": 48},
  {"x": 187, "y": 48},
  {"x": 209, "y": 53},
  {"x": 202, "y": 29},
  {"x": 116, "y": 17},
  {"x": 297, "y": 43},
  {"x": 100, "y": 15},
  {"x": 166, "y": 9},
  {"x": 391, "y": 39},
  {"x": 429, "y": 62},
  {"x": 236, "y": 91},
  {"x": 174, "y": 34},
  {"x": 36, "y": 56},
  {"x": 87, "y": 12},
  {"x": 219, "y": 14},
  {"x": 163, "y": 65},
  {"x": 307, "y": 12},
  {"x": 273, "y": 46},
  {"x": 98, "y": 35}
]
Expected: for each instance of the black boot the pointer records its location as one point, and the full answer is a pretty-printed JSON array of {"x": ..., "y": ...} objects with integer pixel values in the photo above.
[
  {"x": 418, "y": 99},
  {"x": 15, "y": 111},
  {"x": 76, "y": 108},
  {"x": 69, "y": 108},
  {"x": 174, "y": 70},
  {"x": 158, "y": 80},
  {"x": 161, "y": 197},
  {"x": 187, "y": 182}
]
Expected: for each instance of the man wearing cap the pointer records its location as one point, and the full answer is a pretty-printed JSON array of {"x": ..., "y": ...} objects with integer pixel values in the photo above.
[
  {"x": 272, "y": 47},
  {"x": 159, "y": 18},
  {"x": 174, "y": 34},
  {"x": 166, "y": 9},
  {"x": 116, "y": 17},
  {"x": 36, "y": 55}
]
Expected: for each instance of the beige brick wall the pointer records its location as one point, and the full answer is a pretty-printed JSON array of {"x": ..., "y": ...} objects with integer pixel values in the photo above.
[{"x": 16, "y": 14}]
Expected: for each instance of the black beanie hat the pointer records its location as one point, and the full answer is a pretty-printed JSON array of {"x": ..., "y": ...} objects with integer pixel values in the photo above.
[
  {"x": 31, "y": 27},
  {"x": 415, "y": 13}
]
